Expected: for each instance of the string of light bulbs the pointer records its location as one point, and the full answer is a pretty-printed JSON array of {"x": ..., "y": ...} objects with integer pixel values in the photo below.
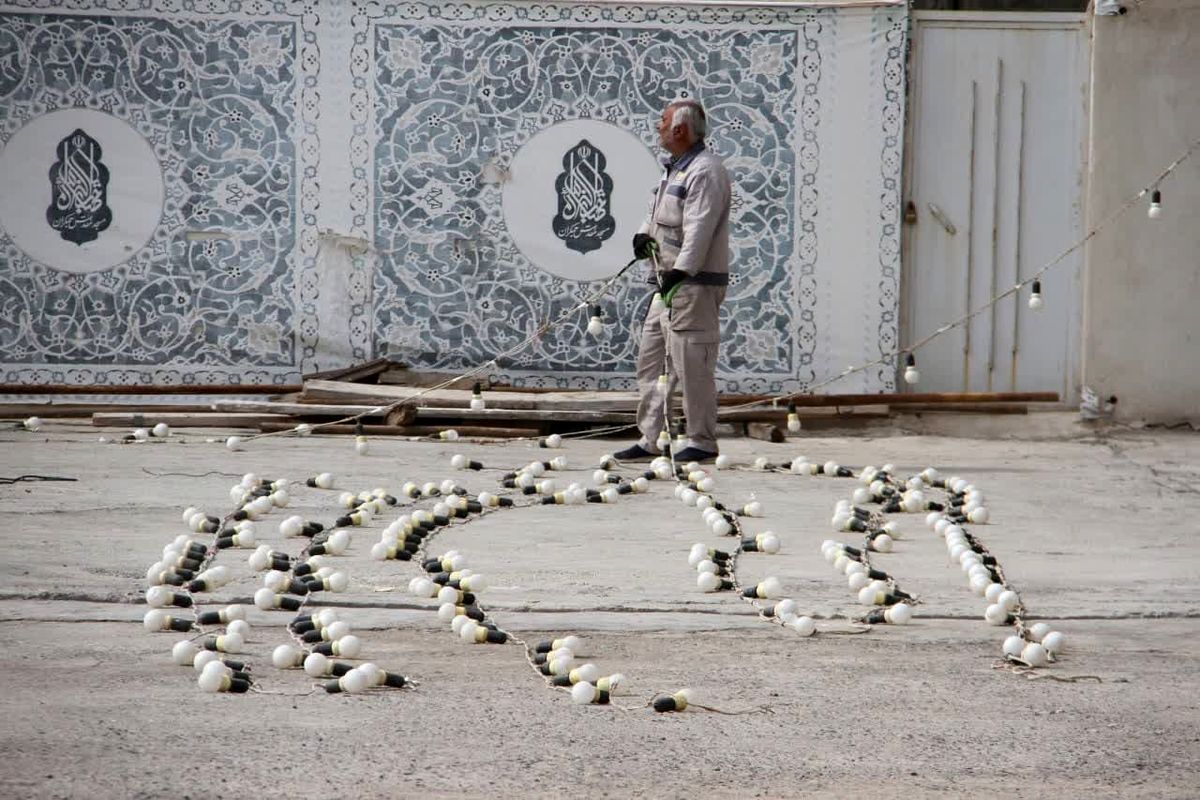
[{"x": 1036, "y": 302}]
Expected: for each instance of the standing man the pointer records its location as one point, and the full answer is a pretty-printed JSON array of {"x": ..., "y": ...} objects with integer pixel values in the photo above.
[{"x": 686, "y": 236}]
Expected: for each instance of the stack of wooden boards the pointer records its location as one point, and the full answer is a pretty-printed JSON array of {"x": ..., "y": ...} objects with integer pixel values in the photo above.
[{"x": 394, "y": 400}]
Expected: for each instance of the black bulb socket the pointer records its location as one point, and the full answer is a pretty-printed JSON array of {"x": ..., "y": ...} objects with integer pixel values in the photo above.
[
  {"x": 666, "y": 704},
  {"x": 290, "y": 603},
  {"x": 875, "y": 616},
  {"x": 179, "y": 600},
  {"x": 474, "y": 507},
  {"x": 394, "y": 680},
  {"x": 238, "y": 686}
]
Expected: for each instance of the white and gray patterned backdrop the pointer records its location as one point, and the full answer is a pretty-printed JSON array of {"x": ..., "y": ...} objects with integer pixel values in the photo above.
[{"x": 273, "y": 186}]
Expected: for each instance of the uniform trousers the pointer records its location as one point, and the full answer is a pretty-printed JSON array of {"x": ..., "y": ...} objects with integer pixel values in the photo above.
[{"x": 690, "y": 333}]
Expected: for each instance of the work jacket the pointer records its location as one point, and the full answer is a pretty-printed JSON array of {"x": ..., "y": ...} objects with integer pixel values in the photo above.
[{"x": 689, "y": 216}]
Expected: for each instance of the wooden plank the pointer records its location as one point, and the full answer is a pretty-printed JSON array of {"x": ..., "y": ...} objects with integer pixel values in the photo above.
[
  {"x": 779, "y": 416},
  {"x": 297, "y": 409},
  {"x": 966, "y": 408},
  {"x": 410, "y": 430},
  {"x": 403, "y": 376},
  {"x": 355, "y": 372},
  {"x": 146, "y": 389},
  {"x": 333, "y": 391},
  {"x": 126, "y": 419},
  {"x": 525, "y": 414},
  {"x": 85, "y": 410},
  {"x": 765, "y": 431},
  {"x": 825, "y": 400}
]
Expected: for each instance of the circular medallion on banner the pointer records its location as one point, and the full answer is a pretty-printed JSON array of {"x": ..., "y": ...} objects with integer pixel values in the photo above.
[
  {"x": 576, "y": 194},
  {"x": 83, "y": 190}
]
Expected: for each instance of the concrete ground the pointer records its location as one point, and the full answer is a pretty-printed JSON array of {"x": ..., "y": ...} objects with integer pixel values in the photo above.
[{"x": 1097, "y": 531}]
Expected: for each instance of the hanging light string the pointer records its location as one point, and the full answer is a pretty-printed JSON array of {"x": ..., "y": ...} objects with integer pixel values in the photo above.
[{"x": 1015, "y": 288}]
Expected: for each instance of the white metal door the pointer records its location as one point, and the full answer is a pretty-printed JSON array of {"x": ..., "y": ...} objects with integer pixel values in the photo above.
[{"x": 997, "y": 141}]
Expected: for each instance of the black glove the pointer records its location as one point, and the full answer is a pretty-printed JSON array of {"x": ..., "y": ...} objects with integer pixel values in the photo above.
[
  {"x": 644, "y": 245},
  {"x": 670, "y": 279}
]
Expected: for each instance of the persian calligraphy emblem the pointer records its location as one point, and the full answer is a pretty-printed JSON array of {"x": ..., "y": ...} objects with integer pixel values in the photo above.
[
  {"x": 584, "y": 190},
  {"x": 79, "y": 190}
]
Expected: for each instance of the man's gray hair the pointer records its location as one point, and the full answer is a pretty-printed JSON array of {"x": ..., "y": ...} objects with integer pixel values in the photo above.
[{"x": 690, "y": 114}]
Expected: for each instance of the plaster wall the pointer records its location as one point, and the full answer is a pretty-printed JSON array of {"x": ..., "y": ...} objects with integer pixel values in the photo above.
[{"x": 1141, "y": 335}]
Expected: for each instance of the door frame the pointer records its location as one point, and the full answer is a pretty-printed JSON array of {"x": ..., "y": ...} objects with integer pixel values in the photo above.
[{"x": 1009, "y": 20}]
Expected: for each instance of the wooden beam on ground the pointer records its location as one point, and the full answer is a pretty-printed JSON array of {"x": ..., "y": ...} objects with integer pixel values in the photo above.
[
  {"x": 298, "y": 409},
  {"x": 336, "y": 392},
  {"x": 147, "y": 389},
  {"x": 409, "y": 430},
  {"x": 403, "y": 376},
  {"x": 526, "y": 415},
  {"x": 965, "y": 408},
  {"x": 355, "y": 372},
  {"x": 86, "y": 410},
  {"x": 765, "y": 431},
  {"x": 825, "y": 400},
  {"x": 126, "y": 419},
  {"x": 779, "y": 416}
]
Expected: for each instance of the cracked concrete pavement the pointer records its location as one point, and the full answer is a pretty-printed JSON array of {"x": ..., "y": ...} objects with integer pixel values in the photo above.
[{"x": 1097, "y": 531}]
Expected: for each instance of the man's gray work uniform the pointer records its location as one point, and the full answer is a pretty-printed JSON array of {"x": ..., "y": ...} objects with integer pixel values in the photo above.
[{"x": 689, "y": 217}]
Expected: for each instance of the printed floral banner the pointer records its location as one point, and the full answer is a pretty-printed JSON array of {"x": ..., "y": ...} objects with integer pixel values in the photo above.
[{"x": 244, "y": 191}]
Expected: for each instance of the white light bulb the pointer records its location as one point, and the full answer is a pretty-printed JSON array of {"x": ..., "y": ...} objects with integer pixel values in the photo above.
[
  {"x": 993, "y": 591},
  {"x": 595, "y": 326},
  {"x": 583, "y": 693},
  {"x": 184, "y": 653},
  {"x": 899, "y": 614},
  {"x": 316, "y": 665},
  {"x": 286, "y": 656},
  {"x": 240, "y": 627},
  {"x": 996, "y": 614},
  {"x": 882, "y": 543},
  {"x": 1155, "y": 209},
  {"x": 708, "y": 582},
  {"x": 805, "y": 626},
  {"x": 33, "y": 424},
  {"x": 162, "y": 430},
  {"x": 233, "y": 443},
  {"x": 723, "y": 461},
  {"x": 911, "y": 375},
  {"x": 211, "y": 681},
  {"x": 1034, "y": 655},
  {"x": 858, "y": 580},
  {"x": 141, "y": 434},
  {"x": 1013, "y": 646},
  {"x": 1053, "y": 642},
  {"x": 1010, "y": 600},
  {"x": 1038, "y": 630},
  {"x": 979, "y": 516}
]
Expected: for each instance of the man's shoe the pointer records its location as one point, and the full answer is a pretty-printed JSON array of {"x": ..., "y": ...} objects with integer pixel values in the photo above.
[
  {"x": 635, "y": 453},
  {"x": 695, "y": 454}
]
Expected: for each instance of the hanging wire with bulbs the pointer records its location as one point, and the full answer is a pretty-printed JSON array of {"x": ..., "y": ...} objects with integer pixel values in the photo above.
[{"x": 1036, "y": 300}]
